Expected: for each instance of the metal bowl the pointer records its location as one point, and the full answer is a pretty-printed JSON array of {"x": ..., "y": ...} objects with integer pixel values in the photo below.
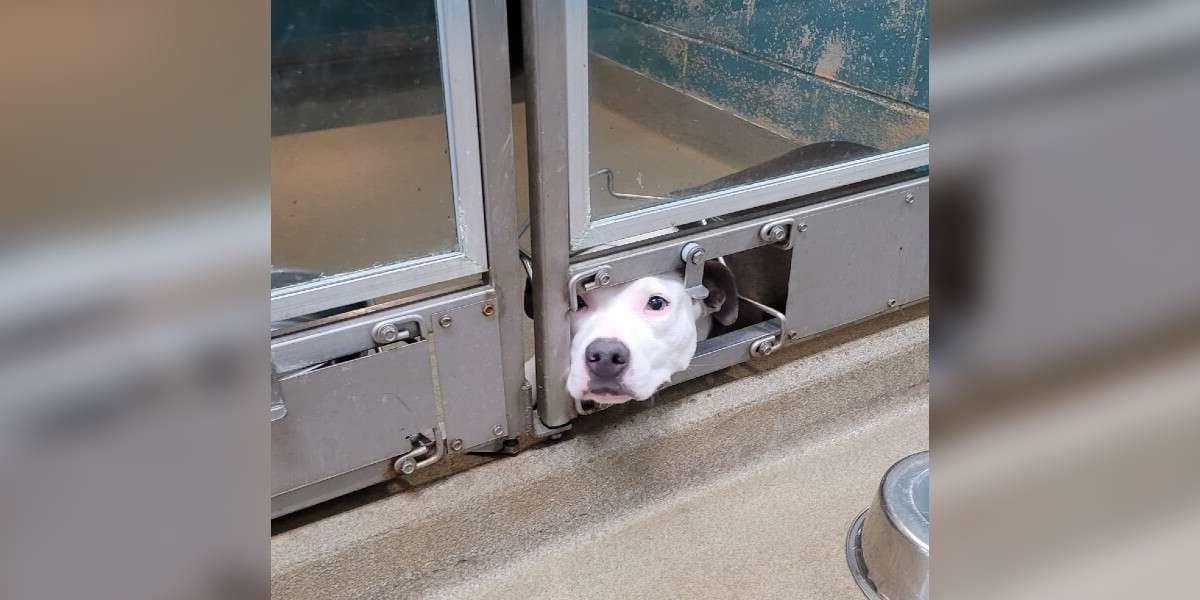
[{"x": 888, "y": 545}]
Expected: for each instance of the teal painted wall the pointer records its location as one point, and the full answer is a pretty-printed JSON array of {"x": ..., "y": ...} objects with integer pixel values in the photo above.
[
  {"x": 837, "y": 69},
  {"x": 315, "y": 28}
]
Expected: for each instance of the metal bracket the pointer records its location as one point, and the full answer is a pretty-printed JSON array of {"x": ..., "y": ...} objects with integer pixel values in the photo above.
[
  {"x": 693, "y": 257},
  {"x": 778, "y": 233},
  {"x": 405, "y": 328},
  {"x": 587, "y": 281},
  {"x": 765, "y": 346},
  {"x": 541, "y": 431},
  {"x": 419, "y": 457}
]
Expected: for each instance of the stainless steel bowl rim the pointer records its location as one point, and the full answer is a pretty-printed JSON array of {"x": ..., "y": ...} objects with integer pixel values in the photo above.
[{"x": 908, "y": 482}]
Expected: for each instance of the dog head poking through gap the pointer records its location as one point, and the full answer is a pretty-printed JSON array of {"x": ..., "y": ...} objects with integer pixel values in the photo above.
[{"x": 628, "y": 340}]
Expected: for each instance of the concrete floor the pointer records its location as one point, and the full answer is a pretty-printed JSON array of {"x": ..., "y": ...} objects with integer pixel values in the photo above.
[
  {"x": 741, "y": 484},
  {"x": 773, "y": 530}
]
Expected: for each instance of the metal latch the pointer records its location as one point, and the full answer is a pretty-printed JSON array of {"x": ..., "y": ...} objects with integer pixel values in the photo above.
[
  {"x": 401, "y": 329},
  {"x": 420, "y": 457},
  {"x": 693, "y": 256},
  {"x": 765, "y": 346},
  {"x": 587, "y": 281}
]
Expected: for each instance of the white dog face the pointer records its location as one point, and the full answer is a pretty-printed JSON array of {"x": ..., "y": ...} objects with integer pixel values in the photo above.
[{"x": 628, "y": 340}]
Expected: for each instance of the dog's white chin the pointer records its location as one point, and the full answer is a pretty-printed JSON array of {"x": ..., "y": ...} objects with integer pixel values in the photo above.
[{"x": 607, "y": 398}]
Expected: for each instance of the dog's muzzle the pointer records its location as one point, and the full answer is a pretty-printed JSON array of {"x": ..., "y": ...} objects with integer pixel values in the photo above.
[{"x": 607, "y": 359}]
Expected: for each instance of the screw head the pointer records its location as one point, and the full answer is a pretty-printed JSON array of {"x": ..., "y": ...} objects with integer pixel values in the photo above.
[
  {"x": 489, "y": 309},
  {"x": 776, "y": 233},
  {"x": 697, "y": 256},
  {"x": 456, "y": 445},
  {"x": 802, "y": 227},
  {"x": 389, "y": 333},
  {"x": 909, "y": 198},
  {"x": 445, "y": 321},
  {"x": 891, "y": 302},
  {"x": 603, "y": 278},
  {"x": 406, "y": 466},
  {"x": 498, "y": 430},
  {"x": 793, "y": 335}
]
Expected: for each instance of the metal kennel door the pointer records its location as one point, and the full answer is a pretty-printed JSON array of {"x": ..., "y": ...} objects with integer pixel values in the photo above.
[
  {"x": 396, "y": 289},
  {"x": 654, "y": 115}
]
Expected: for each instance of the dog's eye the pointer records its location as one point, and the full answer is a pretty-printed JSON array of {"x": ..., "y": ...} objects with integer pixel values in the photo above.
[
  {"x": 656, "y": 303},
  {"x": 580, "y": 302}
]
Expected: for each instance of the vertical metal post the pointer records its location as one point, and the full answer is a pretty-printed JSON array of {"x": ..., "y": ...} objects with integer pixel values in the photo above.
[
  {"x": 545, "y": 32},
  {"x": 489, "y": 30}
]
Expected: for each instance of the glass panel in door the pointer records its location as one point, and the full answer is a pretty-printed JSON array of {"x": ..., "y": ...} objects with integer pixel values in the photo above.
[
  {"x": 688, "y": 98},
  {"x": 361, "y": 172}
]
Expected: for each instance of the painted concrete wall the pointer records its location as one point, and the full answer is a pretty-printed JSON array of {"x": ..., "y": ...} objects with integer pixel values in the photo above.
[
  {"x": 832, "y": 69},
  {"x": 318, "y": 28}
]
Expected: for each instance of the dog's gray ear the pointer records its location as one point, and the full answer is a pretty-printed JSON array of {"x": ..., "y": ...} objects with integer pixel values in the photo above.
[{"x": 722, "y": 298}]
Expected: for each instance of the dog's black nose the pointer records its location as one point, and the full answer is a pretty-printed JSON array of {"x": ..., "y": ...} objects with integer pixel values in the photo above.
[{"x": 606, "y": 358}]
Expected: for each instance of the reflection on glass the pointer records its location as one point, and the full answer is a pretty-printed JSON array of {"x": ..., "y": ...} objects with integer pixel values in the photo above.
[
  {"x": 360, "y": 168},
  {"x": 694, "y": 97}
]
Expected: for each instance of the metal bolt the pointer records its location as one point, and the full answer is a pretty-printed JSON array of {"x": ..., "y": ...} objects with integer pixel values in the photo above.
[
  {"x": 802, "y": 227},
  {"x": 406, "y": 466},
  {"x": 456, "y": 445},
  {"x": 389, "y": 333},
  {"x": 498, "y": 430},
  {"x": 909, "y": 198},
  {"x": 793, "y": 335},
  {"x": 773, "y": 233},
  {"x": 445, "y": 321},
  {"x": 891, "y": 302},
  {"x": 763, "y": 347},
  {"x": 489, "y": 309},
  {"x": 694, "y": 253},
  {"x": 603, "y": 278}
]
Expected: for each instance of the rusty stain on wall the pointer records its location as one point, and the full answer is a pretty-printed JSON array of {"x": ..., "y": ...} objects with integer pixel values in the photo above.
[{"x": 831, "y": 58}]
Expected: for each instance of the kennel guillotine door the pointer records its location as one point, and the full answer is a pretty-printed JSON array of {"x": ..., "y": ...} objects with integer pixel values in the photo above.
[
  {"x": 683, "y": 120},
  {"x": 386, "y": 312}
]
